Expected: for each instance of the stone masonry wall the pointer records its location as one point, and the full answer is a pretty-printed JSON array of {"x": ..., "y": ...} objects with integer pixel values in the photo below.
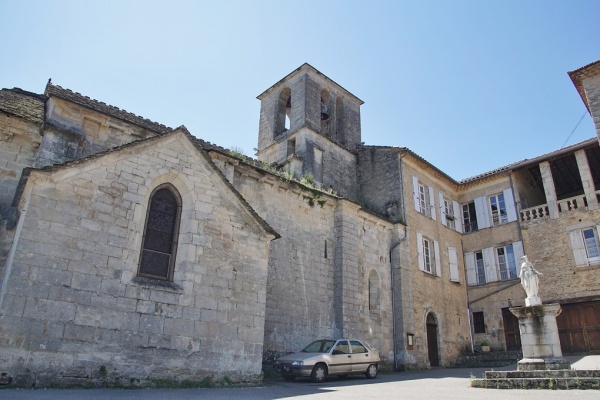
[
  {"x": 380, "y": 181},
  {"x": 76, "y": 132},
  {"x": 301, "y": 297},
  {"x": 549, "y": 249},
  {"x": 74, "y": 312},
  {"x": 439, "y": 295}
]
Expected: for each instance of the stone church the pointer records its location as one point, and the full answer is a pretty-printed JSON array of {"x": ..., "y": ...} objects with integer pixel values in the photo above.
[{"x": 133, "y": 253}]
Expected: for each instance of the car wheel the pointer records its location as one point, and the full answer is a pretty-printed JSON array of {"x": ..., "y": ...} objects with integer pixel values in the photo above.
[
  {"x": 289, "y": 377},
  {"x": 371, "y": 372},
  {"x": 319, "y": 373}
]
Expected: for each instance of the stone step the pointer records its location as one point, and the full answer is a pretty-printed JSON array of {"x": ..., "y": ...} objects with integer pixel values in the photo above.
[
  {"x": 492, "y": 359},
  {"x": 538, "y": 383},
  {"x": 561, "y": 373}
]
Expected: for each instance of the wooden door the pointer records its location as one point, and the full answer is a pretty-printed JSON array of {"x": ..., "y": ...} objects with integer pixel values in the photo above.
[
  {"x": 432, "y": 343},
  {"x": 512, "y": 335},
  {"x": 579, "y": 327}
]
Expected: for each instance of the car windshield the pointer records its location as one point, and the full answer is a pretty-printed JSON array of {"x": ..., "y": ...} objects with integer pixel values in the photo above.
[{"x": 319, "y": 346}]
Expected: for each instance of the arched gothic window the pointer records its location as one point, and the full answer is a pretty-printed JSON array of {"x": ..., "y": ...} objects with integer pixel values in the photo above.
[{"x": 159, "y": 244}]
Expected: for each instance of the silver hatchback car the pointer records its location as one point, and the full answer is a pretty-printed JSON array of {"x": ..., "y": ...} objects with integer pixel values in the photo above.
[{"x": 330, "y": 357}]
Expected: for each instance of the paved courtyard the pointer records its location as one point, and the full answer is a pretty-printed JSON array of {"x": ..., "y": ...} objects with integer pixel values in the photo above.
[{"x": 438, "y": 384}]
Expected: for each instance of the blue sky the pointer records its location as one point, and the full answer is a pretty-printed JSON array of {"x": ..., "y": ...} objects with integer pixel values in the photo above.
[{"x": 469, "y": 85}]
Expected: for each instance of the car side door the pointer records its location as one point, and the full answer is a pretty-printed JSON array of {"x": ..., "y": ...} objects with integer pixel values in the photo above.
[
  {"x": 341, "y": 358},
  {"x": 361, "y": 357}
]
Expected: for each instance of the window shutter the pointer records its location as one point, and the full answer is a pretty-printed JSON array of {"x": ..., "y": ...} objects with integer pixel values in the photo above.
[
  {"x": 518, "y": 252},
  {"x": 432, "y": 205},
  {"x": 578, "y": 248},
  {"x": 481, "y": 209},
  {"x": 443, "y": 220},
  {"x": 420, "y": 252},
  {"x": 509, "y": 201},
  {"x": 453, "y": 261},
  {"x": 415, "y": 182},
  {"x": 470, "y": 265},
  {"x": 489, "y": 261},
  {"x": 438, "y": 263},
  {"x": 457, "y": 216}
]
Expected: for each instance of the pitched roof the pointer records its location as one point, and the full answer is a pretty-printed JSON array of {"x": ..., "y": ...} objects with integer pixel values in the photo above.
[
  {"x": 23, "y": 104},
  {"x": 577, "y": 77},
  {"x": 53, "y": 90},
  {"x": 308, "y": 67},
  {"x": 536, "y": 160}
]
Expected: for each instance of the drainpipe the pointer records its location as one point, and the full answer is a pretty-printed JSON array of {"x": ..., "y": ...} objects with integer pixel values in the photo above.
[
  {"x": 392, "y": 275},
  {"x": 469, "y": 313}
]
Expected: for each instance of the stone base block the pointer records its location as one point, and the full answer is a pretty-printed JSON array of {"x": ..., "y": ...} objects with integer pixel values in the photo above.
[{"x": 541, "y": 364}]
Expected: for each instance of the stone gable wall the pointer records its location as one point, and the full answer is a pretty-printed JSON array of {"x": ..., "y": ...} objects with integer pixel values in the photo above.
[{"x": 74, "y": 312}]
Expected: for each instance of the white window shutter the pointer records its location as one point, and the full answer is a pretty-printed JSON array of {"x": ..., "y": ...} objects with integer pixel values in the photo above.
[
  {"x": 420, "y": 259},
  {"x": 481, "y": 209},
  {"x": 438, "y": 263},
  {"x": 453, "y": 262},
  {"x": 509, "y": 201},
  {"x": 457, "y": 216},
  {"x": 432, "y": 205},
  {"x": 470, "y": 265},
  {"x": 416, "y": 197},
  {"x": 443, "y": 219},
  {"x": 489, "y": 261},
  {"x": 518, "y": 252},
  {"x": 578, "y": 248}
]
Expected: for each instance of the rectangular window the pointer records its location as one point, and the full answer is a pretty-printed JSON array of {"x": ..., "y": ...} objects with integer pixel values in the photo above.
[
  {"x": 450, "y": 223},
  {"x": 424, "y": 207},
  {"x": 478, "y": 322},
  {"x": 591, "y": 245},
  {"x": 427, "y": 255},
  {"x": 423, "y": 198},
  {"x": 506, "y": 262},
  {"x": 480, "y": 268},
  {"x": 498, "y": 209},
  {"x": 469, "y": 217},
  {"x": 584, "y": 243}
]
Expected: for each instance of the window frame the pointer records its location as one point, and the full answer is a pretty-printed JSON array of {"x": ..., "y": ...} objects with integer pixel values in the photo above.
[
  {"x": 592, "y": 259},
  {"x": 168, "y": 277},
  {"x": 510, "y": 273},
  {"x": 478, "y": 322},
  {"x": 480, "y": 274},
  {"x": 424, "y": 201},
  {"x": 449, "y": 210},
  {"x": 500, "y": 216},
  {"x": 469, "y": 217}
]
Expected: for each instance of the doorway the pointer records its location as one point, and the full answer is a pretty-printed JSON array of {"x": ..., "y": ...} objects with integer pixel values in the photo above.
[
  {"x": 432, "y": 340},
  {"x": 512, "y": 335}
]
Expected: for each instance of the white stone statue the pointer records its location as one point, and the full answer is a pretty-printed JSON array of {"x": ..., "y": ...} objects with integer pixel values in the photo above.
[{"x": 530, "y": 282}]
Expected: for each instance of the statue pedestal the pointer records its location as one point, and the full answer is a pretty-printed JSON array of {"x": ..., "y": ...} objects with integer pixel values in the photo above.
[{"x": 539, "y": 337}]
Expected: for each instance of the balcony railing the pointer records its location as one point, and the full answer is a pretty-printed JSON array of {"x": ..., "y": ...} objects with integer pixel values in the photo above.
[{"x": 541, "y": 211}]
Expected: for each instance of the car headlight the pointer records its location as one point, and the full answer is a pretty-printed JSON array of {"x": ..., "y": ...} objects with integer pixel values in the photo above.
[{"x": 298, "y": 363}]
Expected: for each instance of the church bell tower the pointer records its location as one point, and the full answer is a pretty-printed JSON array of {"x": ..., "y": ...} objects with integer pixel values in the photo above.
[{"x": 310, "y": 125}]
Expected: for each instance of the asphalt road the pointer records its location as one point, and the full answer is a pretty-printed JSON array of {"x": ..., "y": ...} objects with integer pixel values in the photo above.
[{"x": 435, "y": 384}]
